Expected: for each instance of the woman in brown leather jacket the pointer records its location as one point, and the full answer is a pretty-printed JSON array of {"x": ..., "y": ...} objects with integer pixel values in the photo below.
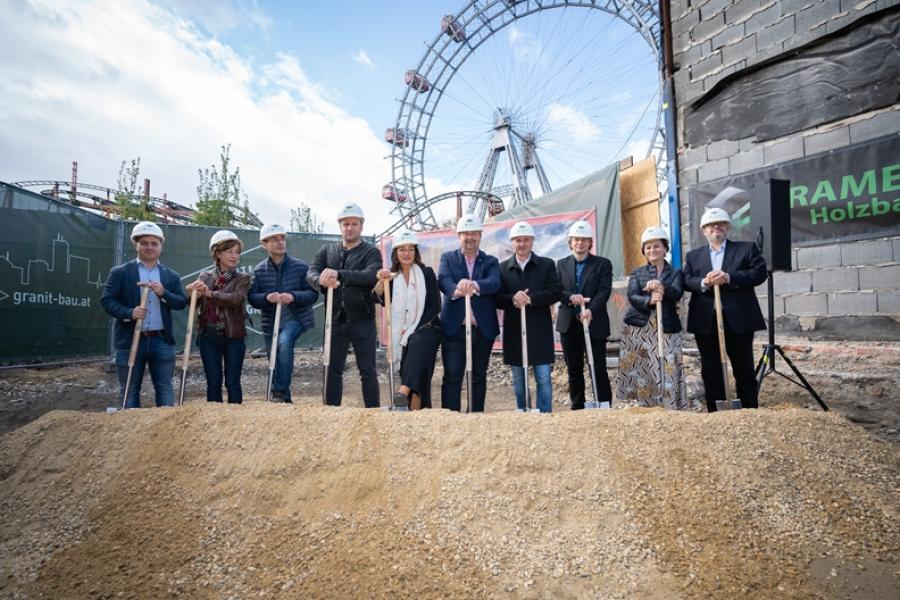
[{"x": 220, "y": 319}]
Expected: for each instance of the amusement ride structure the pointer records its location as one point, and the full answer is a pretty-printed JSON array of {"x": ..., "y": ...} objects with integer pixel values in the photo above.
[
  {"x": 522, "y": 85},
  {"x": 103, "y": 200}
]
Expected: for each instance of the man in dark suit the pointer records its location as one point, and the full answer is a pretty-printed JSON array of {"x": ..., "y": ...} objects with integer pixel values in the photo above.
[
  {"x": 737, "y": 267},
  {"x": 528, "y": 280},
  {"x": 586, "y": 280},
  {"x": 467, "y": 271},
  {"x": 121, "y": 298}
]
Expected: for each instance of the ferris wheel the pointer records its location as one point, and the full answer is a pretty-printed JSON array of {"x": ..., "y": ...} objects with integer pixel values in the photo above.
[{"x": 513, "y": 99}]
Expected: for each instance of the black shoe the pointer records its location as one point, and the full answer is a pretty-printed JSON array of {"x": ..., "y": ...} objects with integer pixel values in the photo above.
[
  {"x": 401, "y": 400},
  {"x": 278, "y": 396}
]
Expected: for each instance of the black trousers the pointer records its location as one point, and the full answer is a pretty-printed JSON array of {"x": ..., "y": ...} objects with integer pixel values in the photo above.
[
  {"x": 739, "y": 347},
  {"x": 574, "y": 354},
  {"x": 417, "y": 362},
  {"x": 454, "y": 358},
  {"x": 361, "y": 334}
]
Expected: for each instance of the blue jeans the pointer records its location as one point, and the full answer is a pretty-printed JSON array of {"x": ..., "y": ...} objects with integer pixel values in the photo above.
[
  {"x": 544, "y": 387},
  {"x": 160, "y": 356},
  {"x": 218, "y": 351},
  {"x": 288, "y": 333}
]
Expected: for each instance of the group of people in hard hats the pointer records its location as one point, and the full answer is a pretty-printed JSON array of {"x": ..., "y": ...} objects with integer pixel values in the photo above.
[{"x": 454, "y": 310}]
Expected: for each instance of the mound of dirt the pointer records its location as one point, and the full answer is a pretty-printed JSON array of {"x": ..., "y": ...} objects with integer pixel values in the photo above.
[{"x": 311, "y": 502}]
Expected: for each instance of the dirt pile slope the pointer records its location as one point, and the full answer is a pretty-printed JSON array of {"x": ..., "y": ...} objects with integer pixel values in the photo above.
[{"x": 278, "y": 501}]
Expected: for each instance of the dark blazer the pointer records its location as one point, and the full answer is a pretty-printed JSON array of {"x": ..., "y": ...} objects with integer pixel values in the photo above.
[
  {"x": 542, "y": 283},
  {"x": 486, "y": 273},
  {"x": 596, "y": 285},
  {"x": 432, "y": 300},
  {"x": 230, "y": 301},
  {"x": 357, "y": 271},
  {"x": 638, "y": 313},
  {"x": 121, "y": 294},
  {"x": 293, "y": 281},
  {"x": 747, "y": 269}
]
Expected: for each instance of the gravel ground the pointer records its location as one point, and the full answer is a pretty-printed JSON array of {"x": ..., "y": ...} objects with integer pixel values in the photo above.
[{"x": 282, "y": 501}]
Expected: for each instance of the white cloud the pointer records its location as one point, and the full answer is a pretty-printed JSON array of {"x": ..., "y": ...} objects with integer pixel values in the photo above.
[
  {"x": 222, "y": 16},
  {"x": 104, "y": 81},
  {"x": 638, "y": 148},
  {"x": 572, "y": 122},
  {"x": 525, "y": 46},
  {"x": 362, "y": 58}
]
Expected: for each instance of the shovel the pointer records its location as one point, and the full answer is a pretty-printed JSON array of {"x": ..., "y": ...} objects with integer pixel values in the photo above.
[
  {"x": 189, "y": 331},
  {"x": 135, "y": 340},
  {"x": 522, "y": 320},
  {"x": 589, "y": 350},
  {"x": 660, "y": 340},
  {"x": 390, "y": 346},
  {"x": 326, "y": 347},
  {"x": 273, "y": 353},
  {"x": 468, "y": 352},
  {"x": 725, "y": 404}
]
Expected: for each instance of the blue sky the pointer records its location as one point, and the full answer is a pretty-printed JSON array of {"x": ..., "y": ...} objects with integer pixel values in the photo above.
[{"x": 303, "y": 91}]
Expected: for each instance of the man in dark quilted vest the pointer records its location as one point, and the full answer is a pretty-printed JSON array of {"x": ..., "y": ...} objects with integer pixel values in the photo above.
[{"x": 281, "y": 279}]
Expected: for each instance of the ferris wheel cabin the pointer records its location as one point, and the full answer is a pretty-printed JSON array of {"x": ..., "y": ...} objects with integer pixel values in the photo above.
[
  {"x": 396, "y": 136},
  {"x": 390, "y": 192},
  {"x": 417, "y": 81},
  {"x": 450, "y": 26}
]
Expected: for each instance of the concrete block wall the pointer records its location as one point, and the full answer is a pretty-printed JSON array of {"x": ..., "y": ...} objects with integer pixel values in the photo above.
[{"x": 715, "y": 38}]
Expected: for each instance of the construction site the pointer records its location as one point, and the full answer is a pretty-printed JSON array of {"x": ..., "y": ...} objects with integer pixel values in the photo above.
[{"x": 799, "y": 498}]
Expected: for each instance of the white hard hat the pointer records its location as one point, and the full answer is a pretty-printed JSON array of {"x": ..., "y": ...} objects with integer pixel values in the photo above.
[
  {"x": 220, "y": 236},
  {"x": 269, "y": 230},
  {"x": 521, "y": 229},
  {"x": 581, "y": 229},
  {"x": 468, "y": 222},
  {"x": 654, "y": 232},
  {"x": 147, "y": 228},
  {"x": 714, "y": 215},
  {"x": 350, "y": 210},
  {"x": 405, "y": 237}
]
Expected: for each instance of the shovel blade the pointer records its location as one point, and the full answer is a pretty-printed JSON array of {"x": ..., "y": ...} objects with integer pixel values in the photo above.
[
  {"x": 723, "y": 404},
  {"x": 602, "y": 405}
]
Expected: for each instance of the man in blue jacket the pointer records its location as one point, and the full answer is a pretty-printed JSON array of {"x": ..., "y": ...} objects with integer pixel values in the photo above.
[
  {"x": 281, "y": 279},
  {"x": 468, "y": 271},
  {"x": 121, "y": 298}
]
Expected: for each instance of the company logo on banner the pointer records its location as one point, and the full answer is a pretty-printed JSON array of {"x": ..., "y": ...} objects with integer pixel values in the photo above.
[
  {"x": 844, "y": 195},
  {"x": 550, "y": 241}
]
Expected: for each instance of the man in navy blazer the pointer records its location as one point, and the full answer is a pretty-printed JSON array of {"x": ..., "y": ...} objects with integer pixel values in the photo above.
[
  {"x": 121, "y": 298},
  {"x": 468, "y": 271},
  {"x": 737, "y": 267}
]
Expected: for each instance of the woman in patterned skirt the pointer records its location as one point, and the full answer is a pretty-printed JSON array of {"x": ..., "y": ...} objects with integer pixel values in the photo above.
[{"x": 639, "y": 364}]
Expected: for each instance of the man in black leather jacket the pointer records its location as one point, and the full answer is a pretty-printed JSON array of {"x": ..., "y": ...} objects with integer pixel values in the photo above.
[{"x": 350, "y": 267}]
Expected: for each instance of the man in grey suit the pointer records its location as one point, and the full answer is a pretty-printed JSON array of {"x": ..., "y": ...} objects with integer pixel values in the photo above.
[{"x": 587, "y": 279}]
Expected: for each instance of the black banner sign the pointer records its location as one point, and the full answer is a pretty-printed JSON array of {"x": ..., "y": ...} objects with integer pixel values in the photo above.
[{"x": 844, "y": 195}]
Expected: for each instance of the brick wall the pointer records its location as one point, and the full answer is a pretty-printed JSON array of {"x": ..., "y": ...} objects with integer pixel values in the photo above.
[{"x": 857, "y": 282}]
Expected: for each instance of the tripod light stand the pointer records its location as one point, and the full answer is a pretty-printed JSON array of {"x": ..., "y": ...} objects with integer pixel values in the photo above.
[{"x": 766, "y": 363}]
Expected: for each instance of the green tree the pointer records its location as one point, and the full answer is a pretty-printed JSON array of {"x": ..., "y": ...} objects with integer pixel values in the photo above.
[
  {"x": 305, "y": 221},
  {"x": 132, "y": 205},
  {"x": 220, "y": 200}
]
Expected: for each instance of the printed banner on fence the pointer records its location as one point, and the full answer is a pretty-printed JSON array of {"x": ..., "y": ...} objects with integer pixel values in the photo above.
[{"x": 845, "y": 195}]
